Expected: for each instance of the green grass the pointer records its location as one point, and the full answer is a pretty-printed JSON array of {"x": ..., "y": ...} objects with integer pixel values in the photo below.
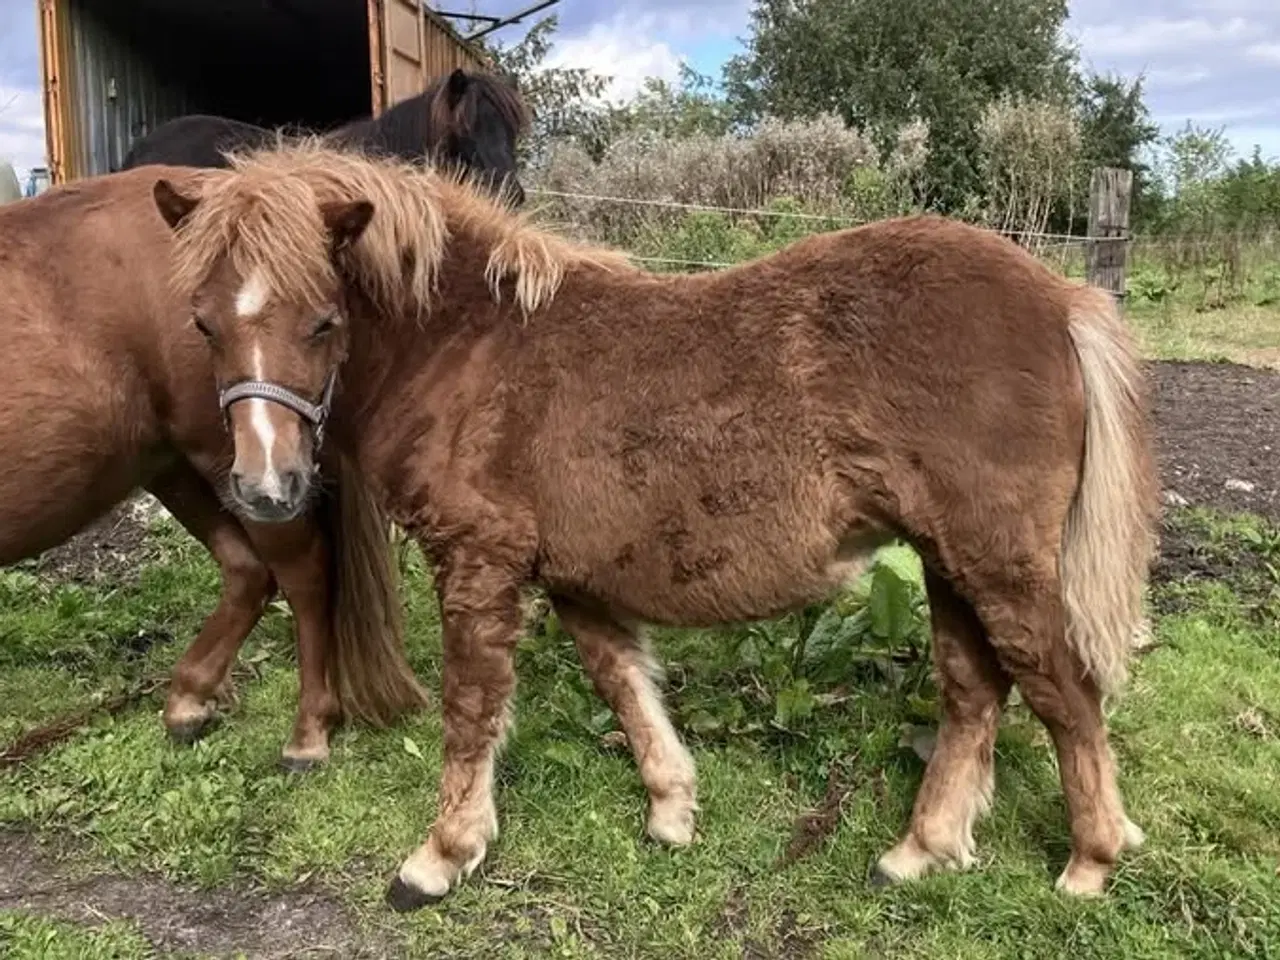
[
  {"x": 35, "y": 938},
  {"x": 1197, "y": 737},
  {"x": 1239, "y": 332}
]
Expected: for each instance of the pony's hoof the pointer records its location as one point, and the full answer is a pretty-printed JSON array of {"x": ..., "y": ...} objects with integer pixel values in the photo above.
[
  {"x": 881, "y": 878},
  {"x": 188, "y": 732},
  {"x": 405, "y": 898},
  {"x": 671, "y": 821},
  {"x": 299, "y": 764}
]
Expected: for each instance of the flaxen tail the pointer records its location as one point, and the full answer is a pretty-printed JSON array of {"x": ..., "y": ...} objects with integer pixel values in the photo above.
[
  {"x": 1110, "y": 535},
  {"x": 369, "y": 671}
]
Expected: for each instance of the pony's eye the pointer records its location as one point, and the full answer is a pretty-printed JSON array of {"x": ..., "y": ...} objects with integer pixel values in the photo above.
[
  {"x": 325, "y": 325},
  {"x": 202, "y": 327}
]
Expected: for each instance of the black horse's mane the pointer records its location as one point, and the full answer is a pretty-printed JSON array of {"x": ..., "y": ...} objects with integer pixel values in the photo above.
[{"x": 449, "y": 106}]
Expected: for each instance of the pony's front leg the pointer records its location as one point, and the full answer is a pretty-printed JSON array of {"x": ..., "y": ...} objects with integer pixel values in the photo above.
[
  {"x": 480, "y": 609},
  {"x": 297, "y": 554},
  {"x": 202, "y": 678}
]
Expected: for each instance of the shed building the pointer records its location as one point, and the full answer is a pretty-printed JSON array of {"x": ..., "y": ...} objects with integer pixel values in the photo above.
[{"x": 116, "y": 69}]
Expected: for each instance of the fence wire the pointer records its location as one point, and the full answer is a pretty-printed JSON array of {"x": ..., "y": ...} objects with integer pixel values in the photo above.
[{"x": 1068, "y": 238}]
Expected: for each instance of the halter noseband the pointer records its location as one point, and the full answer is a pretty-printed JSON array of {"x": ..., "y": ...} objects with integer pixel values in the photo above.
[{"x": 315, "y": 414}]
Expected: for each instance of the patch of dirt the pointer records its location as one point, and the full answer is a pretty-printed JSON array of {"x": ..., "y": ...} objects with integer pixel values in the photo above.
[
  {"x": 815, "y": 826},
  {"x": 792, "y": 942},
  {"x": 1218, "y": 430},
  {"x": 113, "y": 548},
  {"x": 220, "y": 923}
]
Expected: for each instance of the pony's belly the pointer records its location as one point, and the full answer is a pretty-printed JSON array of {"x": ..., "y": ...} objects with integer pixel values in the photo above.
[
  {"x": 719, "y": 582},
  {"x": 36, "y": 517},
  {"x": 61, "y": 470}
]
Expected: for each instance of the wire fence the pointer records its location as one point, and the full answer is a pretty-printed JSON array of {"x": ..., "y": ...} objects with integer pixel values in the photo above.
[
  {"x": 1213, "y": 261},
  {"x": 1042, "y": 242}
]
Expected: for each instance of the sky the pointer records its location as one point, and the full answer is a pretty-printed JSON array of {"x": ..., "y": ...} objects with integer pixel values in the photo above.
[{"x": 1215, "y": 62}]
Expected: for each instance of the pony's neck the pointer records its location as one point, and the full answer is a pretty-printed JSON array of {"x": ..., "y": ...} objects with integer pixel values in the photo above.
[
  {"x": 408, "y": 379},
  {"x": 403, "y": 130}
]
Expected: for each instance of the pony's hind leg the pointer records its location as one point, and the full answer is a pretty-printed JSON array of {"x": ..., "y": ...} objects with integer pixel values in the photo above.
[
  {"x": 480, "y": 613},
  {"x": 201, "y": 679},
  {"x": 621, "y": 669},
  {"x": 959, "y": 780},
  {"x": 1026, "y": 622}
]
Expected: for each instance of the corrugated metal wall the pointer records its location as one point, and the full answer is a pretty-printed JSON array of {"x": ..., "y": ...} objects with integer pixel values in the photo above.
[{"x": 117, "y": 97}]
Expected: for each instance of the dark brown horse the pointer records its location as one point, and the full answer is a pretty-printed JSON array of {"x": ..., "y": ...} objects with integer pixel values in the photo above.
[
  {"x": 104, "y": 388},
  {"x": 469, "y": 120},
  {"x": 699, "y": 449}
]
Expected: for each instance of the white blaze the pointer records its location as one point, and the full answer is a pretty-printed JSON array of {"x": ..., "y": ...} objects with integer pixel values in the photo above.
[
  {"x": 250, "y": 301},
  {"x": 252, "y": 296}
]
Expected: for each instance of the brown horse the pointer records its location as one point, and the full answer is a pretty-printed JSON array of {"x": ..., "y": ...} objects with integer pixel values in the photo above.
[
  {"x": 693, "y": 450},
  {"x": 105, "y": 388}
]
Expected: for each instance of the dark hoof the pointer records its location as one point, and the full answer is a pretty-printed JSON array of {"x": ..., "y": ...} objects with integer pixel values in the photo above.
[
  {"x": 403, "y": 898},
  {"x": 299, "y": 764},
  {"x": 880, "y": 879},
  {"x": 191, "y": 731}
]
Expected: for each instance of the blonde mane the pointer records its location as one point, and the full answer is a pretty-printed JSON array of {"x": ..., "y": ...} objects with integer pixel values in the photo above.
[{"x": 264, "y": 213}]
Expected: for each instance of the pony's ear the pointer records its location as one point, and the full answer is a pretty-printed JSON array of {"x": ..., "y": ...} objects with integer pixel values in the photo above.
[
  {"x": 173, "y": 206},
  {"x": 459, "y": 80},
  {"x": 346, "y": 221}
]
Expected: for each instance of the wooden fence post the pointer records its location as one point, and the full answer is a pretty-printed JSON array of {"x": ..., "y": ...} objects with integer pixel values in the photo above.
[{"x": 1107, "y": 249}]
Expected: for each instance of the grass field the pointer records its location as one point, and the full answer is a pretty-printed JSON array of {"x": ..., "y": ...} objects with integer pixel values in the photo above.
[{"x": 805, "y": 778}]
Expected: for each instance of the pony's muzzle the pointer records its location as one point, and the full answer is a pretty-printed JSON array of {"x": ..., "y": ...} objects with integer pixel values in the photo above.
[{"x": 272, "y": 498}]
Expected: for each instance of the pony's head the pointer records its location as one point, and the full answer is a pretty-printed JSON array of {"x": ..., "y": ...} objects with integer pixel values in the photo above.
[
  {"x": 480, "y": 117},
  {"x": 277, "y": 329},
  {"x": 279, "y": 254}
]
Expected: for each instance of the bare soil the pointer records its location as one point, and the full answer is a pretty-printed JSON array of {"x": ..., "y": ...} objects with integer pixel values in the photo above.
[
  {"x": 111, "y": 549},
  {"x": 220, "y": 923},
  {"x": 1218, "y": 430}
]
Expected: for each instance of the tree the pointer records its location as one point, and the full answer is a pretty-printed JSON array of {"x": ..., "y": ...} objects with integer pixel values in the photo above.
[
  {"x": 879, "y": 65},
  {"x": 566, "y": 103},
  {"x": 687, "y": 107},
  {"x": 1030, "y": 153},
  {"x": 1115, "y": 131}
]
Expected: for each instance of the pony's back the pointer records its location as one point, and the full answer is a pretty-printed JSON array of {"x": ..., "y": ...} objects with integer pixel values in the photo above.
[{"x": 196, "y": 140}]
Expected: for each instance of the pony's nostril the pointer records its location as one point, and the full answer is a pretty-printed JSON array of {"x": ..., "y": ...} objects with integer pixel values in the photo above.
[
  {"x": 237, "y": 488},
  {"x": 295, "y": 486}
]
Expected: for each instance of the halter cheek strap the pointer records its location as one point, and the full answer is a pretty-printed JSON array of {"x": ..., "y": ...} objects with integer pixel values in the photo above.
[{"x": 315, "y": 414}]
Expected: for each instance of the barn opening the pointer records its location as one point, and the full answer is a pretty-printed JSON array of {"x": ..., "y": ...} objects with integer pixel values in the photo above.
[{"x": 269, "y": 62}]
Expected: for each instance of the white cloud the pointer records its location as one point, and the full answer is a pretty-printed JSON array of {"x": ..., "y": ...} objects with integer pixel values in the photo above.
[
  {"x": 1265, "y": 52},
  {"x": 627, "y": 53},
  {"x": 1228, "y": 115},
  {"x": 1152, "y": 35},
  {"x": 21, "y": 128},
  {"x": 1175, "y": 77}
]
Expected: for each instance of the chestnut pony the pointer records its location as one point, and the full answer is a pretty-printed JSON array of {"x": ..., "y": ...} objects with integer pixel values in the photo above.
[
  {"x": 106, "y": 387},
  {"x": 692, "y": 450}
]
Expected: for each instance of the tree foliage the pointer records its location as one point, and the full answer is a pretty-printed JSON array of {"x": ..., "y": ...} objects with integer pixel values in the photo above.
[
  {"x": 691, "y": 106},
  {"x": 878, "y": 65},
  {"x": 1029, "y": 156},
  {"x": 975, "y": 107},
  {"x": 566, "y": 102},
  {"x": 1116, "y": 131}
]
